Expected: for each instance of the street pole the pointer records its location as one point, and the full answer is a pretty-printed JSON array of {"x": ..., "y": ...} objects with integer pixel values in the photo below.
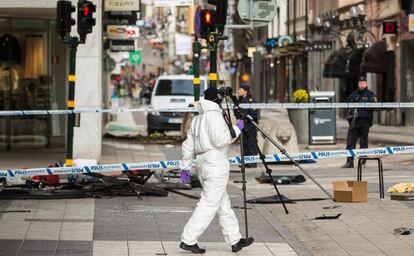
[
  {"x": 196, "y": 68},
  {"x": 73, "y": 45},
  {"x": 212, "y": 45}
]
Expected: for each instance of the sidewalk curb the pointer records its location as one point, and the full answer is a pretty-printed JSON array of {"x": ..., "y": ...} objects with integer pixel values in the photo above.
[{"x": 296, "y": 245}]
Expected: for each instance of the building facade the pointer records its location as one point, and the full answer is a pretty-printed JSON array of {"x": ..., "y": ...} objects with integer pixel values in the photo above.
[
  {"x": 34, "y": 68},
  {"x": 347, "y": 38}
]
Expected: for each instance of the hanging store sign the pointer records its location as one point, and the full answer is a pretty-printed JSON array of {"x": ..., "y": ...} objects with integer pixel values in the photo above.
[
  {"x": 122, "y": 5},
  {"x": 122, "y": 45},
  {"x": 318, "y": 46},
  {"x": 121, "y": 18},
  {"x": 183, "y": 44},
  {"x": 389, "y": 27},
  {"x": 411, "y": 22},
  {"x": 263, "y": 11},
  {"x": 284, "y": 41},
  {"x": 164, "y": 3},
  {"x": 122, "y": 32},
  {"x": 135, "y": 57}
]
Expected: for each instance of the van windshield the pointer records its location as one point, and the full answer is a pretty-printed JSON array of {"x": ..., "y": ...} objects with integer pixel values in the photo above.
[{"x": 182, "y": 87}]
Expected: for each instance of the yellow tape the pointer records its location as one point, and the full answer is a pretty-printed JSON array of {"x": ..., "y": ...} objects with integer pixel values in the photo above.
[
  {"x": 213, "y": 76},
  {"x": 71, "y": 78},
  {"x": 71, "y": 103},
  {"x": 196, "y": 80},
  {"x": 69, "y": 162}
]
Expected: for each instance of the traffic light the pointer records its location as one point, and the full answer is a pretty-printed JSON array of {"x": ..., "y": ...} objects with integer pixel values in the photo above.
[
  {"x": 221, "y": 11},
  {"x": 86, "y": 9},
  {"x": 207, "y": 22},
  {"x": 64, "y": 20}
]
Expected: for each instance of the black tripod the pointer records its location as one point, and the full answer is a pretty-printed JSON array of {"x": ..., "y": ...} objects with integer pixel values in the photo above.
[{"x": 249, "y": 120}]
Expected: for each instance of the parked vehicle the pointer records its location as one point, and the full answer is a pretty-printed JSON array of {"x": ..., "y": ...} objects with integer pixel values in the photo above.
[{"x": 170, "y": 92}]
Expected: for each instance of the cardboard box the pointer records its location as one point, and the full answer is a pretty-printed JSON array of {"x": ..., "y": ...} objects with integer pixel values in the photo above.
[{"x": 350, "y": 191}]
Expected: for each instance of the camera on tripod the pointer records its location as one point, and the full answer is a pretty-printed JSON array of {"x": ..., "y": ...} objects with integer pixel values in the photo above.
[{"x": 225, "y": 91}]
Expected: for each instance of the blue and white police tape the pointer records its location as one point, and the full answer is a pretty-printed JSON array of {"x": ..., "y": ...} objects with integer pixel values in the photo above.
[
  {"x": 382, "y": 105},
  {"x": 233, "y": 160}
]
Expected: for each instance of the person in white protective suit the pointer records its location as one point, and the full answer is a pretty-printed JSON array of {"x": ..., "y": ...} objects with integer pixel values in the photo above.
[{"x": 208, "y": 141}]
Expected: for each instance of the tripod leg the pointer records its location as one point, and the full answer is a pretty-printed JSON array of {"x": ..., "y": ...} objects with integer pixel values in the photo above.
[
  {"x": 268, "y": 171},
  {"x": 277, "y": 191},
  {"x": 283, "y": 151},
  {"x": 243, "y": 172}
]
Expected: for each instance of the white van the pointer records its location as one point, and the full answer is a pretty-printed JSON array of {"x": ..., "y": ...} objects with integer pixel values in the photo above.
[{"x": 172, "y": 91}]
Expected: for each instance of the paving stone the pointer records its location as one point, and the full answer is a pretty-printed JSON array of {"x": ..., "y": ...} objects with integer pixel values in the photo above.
[
  {"x": 44, "y": 231},
  {"x": 74, "y": 248},
  {"x": 13, "y": 230},
  {"x": 38, "y": 248},
  {"x": 145, "y": 248},
  {"x": 172, "y": 248},
  {"x": 325, "y": 248},
  {"x": 110, "y": 248},
  {"x": 256, "y": 249},
  {"x": 217, "y": 248},
  {"x": 80, "y": 231},
  {"x": 9, "y": 247}
]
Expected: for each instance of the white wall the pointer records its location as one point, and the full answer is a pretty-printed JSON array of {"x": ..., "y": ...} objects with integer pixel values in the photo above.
[
  {"x": 87, "y": 139},
  {"x": 28, "y": 3},
  {"x": 282, "y": 4}
]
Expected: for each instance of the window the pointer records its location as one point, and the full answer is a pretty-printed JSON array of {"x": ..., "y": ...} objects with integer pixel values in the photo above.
[{"x": 181, "y": 87}]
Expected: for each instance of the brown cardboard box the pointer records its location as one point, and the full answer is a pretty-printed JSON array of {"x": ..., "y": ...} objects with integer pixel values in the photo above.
[{"x": 350, "y": 191}]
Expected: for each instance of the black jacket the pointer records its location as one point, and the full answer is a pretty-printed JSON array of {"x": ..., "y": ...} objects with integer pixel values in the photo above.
[
  {"x": 363, "y": 96},
  {"x": 252, "y": 112}
]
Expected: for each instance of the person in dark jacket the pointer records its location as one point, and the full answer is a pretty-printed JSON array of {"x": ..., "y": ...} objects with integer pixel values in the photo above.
[
  {"x": 250, "y": 140},
  {"x": 360, "y": 119}
]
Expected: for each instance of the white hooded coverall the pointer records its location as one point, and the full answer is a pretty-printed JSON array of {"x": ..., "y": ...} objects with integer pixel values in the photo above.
[{"x": 208, "y": 141}]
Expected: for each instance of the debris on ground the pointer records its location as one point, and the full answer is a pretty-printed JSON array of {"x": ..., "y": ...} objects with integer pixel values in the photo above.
[
  {"x": 331, "y": 207},
  {"x": 281, "y": 179},
  {"x": 328, "y": 217},
  {"x": 403, "y": 231},
  {"x": 141, "y": 140}
]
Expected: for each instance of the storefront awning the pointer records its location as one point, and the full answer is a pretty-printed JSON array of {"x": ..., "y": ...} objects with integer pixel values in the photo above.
[
  {"x": 353, "y": 65},
  {"x": 374, "y": 59},
  {"x": 343, "y": 63}
]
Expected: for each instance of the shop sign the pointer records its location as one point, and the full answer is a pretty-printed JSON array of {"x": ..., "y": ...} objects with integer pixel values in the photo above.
[
  {"x": 163, "y": 3},
  {"x": 122, "y": 32},
  {"x": 121, "y": 18},
  {"x": 122, "y": 45},
  {"x": 135, "y": 57},
  {"x": 271, "y": 43},
  {"x": 122, "y": 5},
  {"x": 263, "y": 11},
  {"x": 183, "y": 44},
  {"x": 318, "y": 46},
  {"x": 284, "y": 41},
  {"x": 389, "y": 27},
  {"x": 411, "y": 22}
]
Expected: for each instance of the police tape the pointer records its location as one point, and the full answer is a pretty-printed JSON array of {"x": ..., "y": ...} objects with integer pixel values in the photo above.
[
  {"x": 382, "y": 105},
  {"x": 174, "y": 164}
]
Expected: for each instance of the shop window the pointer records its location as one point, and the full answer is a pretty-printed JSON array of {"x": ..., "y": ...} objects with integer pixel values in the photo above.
[{"x": 25, "y": 80}]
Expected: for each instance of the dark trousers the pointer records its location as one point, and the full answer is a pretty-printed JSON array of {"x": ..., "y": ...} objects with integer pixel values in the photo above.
[
  {"x": 250, "y": 140},
  {"x": 358, "y": 132}
]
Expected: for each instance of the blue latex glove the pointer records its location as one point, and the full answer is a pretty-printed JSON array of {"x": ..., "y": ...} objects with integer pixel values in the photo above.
[
  {"x": 240, "y": 124},
  {"x": 185, "y": 176}
]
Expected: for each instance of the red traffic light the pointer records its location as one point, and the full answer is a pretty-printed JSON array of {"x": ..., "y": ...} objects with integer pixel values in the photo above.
[
  {"x": 208, "y": 17},
  {"x": 86, "y": 11},
  {"x": 207, "y": 22}
]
